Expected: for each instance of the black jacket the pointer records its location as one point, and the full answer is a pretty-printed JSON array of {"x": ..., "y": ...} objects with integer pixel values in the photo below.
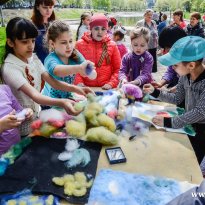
[{"x": 197, "y": 30}]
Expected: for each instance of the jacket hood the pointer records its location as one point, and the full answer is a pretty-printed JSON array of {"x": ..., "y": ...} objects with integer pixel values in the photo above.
[{"x": 87, "y": 37}]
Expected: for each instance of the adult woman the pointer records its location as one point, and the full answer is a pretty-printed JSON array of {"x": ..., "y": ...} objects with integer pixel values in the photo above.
[
  {"x": 178, "y": 19},
  {"x": 153, "y": 42},
  {"x": 43, "y": 14}
]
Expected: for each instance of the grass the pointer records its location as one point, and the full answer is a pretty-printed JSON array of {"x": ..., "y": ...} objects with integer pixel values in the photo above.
[{"x": 2, "y": 43}]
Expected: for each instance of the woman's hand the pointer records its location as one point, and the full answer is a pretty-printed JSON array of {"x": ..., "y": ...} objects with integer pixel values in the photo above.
[
  {"x": 9, "y": 121},
  {"x": 158, "y": 120},
  {"x": 106, "y": 87},
  {"x": 148, "y": 89}
]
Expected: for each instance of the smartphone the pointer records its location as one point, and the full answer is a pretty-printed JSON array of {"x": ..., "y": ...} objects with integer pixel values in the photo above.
[{"x": 115, "y": 155}]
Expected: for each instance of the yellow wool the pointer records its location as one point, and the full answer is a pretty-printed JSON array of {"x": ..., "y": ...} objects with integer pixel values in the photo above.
[
  {"x": 49, "y": 200},
  {"x": 75, "y": 185},
  {"x": 106, "y": 121},
  {"x": 11, "y": 202},
  {"x": 75, "y": 128},
  {"x": 102, "y": 135}
]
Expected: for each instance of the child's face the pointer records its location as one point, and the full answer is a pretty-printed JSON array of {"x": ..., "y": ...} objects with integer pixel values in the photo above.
[
  {"x": 181, "y": 69},
  {"x": 63, "y": 45},
  {"x": 23, "y": 49},
  {"x": 45, "y": 11},
  {"x": 139, "y": 45},
  {"x": 87, "y": 20},
  {"x": 193, "y": 21},
  {"x": 115, "y": 38},
  {"x": 98, "y": 33}
]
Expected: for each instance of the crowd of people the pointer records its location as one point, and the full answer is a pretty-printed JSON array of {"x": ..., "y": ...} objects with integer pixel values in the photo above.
[{"x": 50, "y": 67}]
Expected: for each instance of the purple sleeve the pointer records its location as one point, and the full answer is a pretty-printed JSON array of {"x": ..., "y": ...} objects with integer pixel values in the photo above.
[
  {"x": 145, "y": 73},
  {"x": 15, "y": 104},
  {"x": 124, "y": 68},
  {"x": 170, "y": 74}
]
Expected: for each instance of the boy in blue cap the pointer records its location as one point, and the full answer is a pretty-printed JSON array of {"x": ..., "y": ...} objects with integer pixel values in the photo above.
[{"x": 186, "y": 57}]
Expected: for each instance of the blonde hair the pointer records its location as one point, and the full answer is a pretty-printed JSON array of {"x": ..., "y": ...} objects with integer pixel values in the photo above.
[{"x": 140, "y": 31}]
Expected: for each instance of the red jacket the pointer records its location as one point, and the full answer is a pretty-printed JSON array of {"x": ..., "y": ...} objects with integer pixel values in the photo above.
[{"x": 92, "y": 50}]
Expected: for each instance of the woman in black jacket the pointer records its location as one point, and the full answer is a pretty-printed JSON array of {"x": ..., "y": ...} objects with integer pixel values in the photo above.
[{"x": 195, "y": 27}]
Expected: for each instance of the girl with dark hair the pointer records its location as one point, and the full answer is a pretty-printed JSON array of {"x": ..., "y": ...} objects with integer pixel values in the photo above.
[
  {"x": 84, "y": 25},
  {"x": 24, "y": 72},
  {"x": 64, "y": 61},
  {"x": 43, "y": 14}
]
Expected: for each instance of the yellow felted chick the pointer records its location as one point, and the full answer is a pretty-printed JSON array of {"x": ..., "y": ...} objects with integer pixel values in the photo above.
[
  {"x": 106, "y": 121},
  {"x": 12, "y": 202},
  {"x": 49, "y": 200},
  {"x": 58, "y": 181},
  {"x": 75, "y": 128},
  {"x": 101, "y": 135}
]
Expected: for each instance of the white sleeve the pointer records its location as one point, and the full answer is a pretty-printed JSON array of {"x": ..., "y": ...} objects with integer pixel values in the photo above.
[{"x": 13, "y": 76}]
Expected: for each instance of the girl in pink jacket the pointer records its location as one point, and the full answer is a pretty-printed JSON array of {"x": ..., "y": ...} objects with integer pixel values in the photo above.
[{"x": 98, "y": 48}]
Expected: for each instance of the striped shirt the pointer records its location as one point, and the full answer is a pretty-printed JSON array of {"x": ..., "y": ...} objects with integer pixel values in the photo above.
[{"x": 193, "y": 92}]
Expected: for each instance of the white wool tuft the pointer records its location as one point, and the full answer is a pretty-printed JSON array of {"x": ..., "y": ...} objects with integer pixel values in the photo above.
[
  {"x": 64, "y": 156},
  {"x": 51, "y": 114},
  {"x": 71, "y": 145}
]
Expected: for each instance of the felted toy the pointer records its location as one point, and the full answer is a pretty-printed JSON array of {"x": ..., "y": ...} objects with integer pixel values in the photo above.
[
  {"x": 74, "y": 185},
  {"x": 132, "y": 92},
  {"x": 106, "y": 121},
  {"x": 102, "y": 135}
]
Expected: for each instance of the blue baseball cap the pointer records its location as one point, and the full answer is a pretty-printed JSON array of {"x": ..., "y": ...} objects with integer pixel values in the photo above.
[{"x": 187, "y": 49}]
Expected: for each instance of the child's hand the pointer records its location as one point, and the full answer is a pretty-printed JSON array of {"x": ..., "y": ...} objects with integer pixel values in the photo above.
[
  {"x": 156, "y": 85},
  {"x": 82, "y": 71},
  {"x": 148, "y": 89},
  {"x": 124, "y": 81},
  {"x": 158, "y": 120},
  {"x": 135, "y": 82},
  {"x": 106, "y": 87},
  {"x": 88, "y": 90},
  {"x": 29, "y": 113},
  {"x": 9, "y": 121},
  {"x": 81, "y": 85},
  {"x": 79, "y": 90},
  {"x": 68, "y": 105}
]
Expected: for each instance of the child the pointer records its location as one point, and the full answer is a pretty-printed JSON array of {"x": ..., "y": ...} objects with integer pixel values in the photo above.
[
  {"x": 118, "y": 36},
  {"x": 162, "y": 24},
  {"x": 9, "y": 106},
  {"x": 136, "y": 66},
  {"x": 195, "y": 28},
  {"x": 167, "y": 38},
  {"x": 186, "y": 56},
  {"x": 65, "y": 61},
  {"x": 84, "y": 25},
  {"x": 24, "y": 72},
  {"x": 98, "y": 48},
  {"x": 43, "y": 14},
  {"x": 178, "y": 19}
]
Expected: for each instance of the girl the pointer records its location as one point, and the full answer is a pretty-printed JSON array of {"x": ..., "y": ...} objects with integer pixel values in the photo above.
[
  {"x": 186, "y": 56},
  {"x": 118, "y": 36},
  {"x": 98, "y": 48},
  {"x": 195, "y": 28},
  {"x": 43, "y": 14},
  {"x": 178, "y": 19},
  {"x": 153, "y": 42},
  {"x": 136, "y": 66},
  {"x": 84, "y": 25},
  {"x": 24, "y": 72},
  {"x": 162, "y": 24},
  {"x": 9, "y": 123},
  {"x": 64, "y": 61}
]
